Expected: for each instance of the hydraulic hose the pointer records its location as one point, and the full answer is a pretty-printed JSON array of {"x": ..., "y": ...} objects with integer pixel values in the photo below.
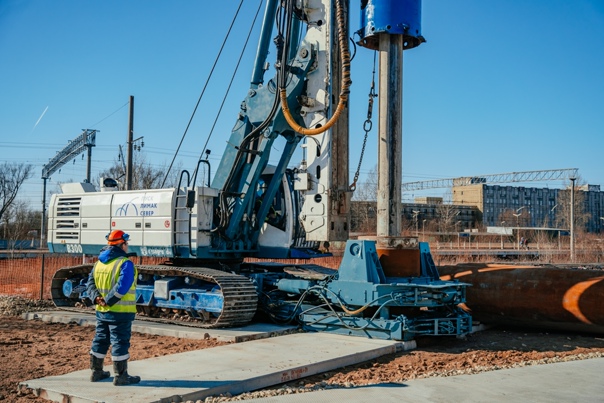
[{"x": 345, "y": 83}]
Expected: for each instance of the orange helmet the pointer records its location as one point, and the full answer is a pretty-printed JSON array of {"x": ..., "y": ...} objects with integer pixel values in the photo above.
[{"x": 117, "y": 237}]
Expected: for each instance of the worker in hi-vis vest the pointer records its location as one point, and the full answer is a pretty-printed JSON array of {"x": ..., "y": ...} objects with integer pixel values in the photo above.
[{"x": 112, "y": 288}]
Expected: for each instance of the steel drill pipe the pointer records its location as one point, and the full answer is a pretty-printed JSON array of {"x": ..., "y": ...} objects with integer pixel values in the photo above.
[{"x": 545, "y": 297}]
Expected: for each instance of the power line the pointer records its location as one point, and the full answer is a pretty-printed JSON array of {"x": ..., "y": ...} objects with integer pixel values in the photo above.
[
  {"x": 111, "y": 114},
  {"x": 203, "y": 91}
]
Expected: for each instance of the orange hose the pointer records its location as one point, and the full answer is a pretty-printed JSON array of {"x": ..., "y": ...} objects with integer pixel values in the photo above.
[{"x": 345, "y": 84}]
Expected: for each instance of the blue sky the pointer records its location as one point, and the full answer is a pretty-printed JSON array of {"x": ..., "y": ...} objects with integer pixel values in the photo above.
[{"x": 500, "y": 86}]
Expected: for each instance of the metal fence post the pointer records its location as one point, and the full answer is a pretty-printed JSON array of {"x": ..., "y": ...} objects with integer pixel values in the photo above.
[{"x": 42, "y": 279}]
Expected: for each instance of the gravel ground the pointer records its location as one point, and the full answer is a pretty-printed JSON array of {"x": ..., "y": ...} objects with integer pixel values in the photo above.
[{"x": 34, "y": 349}]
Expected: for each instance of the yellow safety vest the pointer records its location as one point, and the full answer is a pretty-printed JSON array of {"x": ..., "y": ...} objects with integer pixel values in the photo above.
[{"x": 106, "y": 276}]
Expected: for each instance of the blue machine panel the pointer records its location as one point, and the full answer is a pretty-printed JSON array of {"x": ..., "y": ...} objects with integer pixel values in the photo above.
[
  {"x": 396, "y": 17},
  {"x": 192, "y": 299}
]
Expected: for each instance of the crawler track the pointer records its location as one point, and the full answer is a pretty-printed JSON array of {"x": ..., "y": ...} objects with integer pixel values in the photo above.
[{"x": 240, "y": 296}]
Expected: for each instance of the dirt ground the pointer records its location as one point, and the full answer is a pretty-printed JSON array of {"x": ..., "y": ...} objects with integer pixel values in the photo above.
[{"x": 34, "y": 349}]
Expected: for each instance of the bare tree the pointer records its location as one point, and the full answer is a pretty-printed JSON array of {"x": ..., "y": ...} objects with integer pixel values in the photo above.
[
  {"x": 144, "y": 175},
  {"x": 12, "y": 176},
  {"x": 363, "y": 209},
  {"x": 20, "y": 224},
  {"x": 367, "y": 191},
  {"x": 581, "y": 215},
  {"x": 447, "y": 217},
  {"x": 515, "y": 217},
  {"x": 363, "y": 216}
]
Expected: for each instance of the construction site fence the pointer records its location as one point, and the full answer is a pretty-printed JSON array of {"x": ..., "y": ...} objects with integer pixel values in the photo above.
[{"x": 31, "y": 277}]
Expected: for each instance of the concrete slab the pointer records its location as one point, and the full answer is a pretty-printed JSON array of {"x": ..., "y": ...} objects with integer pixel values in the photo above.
[
  {"x": 253, "y": 331},
  {"x": 233, "y": 368},
  {"x": 574, "y": 381}
]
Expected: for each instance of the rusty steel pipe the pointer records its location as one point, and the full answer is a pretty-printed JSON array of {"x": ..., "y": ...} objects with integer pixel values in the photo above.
[{"x": 545, "y": 297}]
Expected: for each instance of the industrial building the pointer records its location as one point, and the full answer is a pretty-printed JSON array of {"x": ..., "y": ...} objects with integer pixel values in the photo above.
[
  {"x": 535, "y": 207},
  {"x": 482, "y": 205},
  {"x": 426, "y": 214}
]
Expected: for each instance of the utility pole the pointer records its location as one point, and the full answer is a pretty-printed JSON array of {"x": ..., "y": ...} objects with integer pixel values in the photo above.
[
  {"x": 517, "y": 215},
  {"x": 572, "y": 219},
  {"x": 130, "y": 144},
  {"x": 43, "y": 223},
  {"x": 89, "y": 146}
]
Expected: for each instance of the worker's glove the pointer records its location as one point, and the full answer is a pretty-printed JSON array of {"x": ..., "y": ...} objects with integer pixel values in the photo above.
[{"x": 100, "y": 301}]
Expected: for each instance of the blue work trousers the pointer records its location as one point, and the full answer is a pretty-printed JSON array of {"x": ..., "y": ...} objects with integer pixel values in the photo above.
[{"x": 112, "y": 329}]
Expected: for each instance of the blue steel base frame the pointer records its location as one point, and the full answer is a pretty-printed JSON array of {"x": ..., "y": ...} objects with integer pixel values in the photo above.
[
  {"x": 455, "y": 323},
  {"x": 360, "y": 300}
]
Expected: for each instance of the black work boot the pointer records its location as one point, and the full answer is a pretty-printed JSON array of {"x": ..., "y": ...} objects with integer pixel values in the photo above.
[
  {"x": 96, "y": 365},
  {"x": 121, "y": 377}
]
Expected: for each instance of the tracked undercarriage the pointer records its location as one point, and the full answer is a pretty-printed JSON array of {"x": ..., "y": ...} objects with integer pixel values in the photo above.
[{"x": 208, "y": 297}]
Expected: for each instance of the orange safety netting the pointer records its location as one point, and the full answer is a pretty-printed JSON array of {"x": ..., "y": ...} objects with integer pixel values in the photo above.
[{"x": 31, "y": 277}]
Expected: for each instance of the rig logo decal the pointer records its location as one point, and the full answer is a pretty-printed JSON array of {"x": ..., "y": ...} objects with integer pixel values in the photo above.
[
  {"x": 127, "y": 209},
  {"x": 145, "y": 206},
  {"x": 148, "y": 206}
]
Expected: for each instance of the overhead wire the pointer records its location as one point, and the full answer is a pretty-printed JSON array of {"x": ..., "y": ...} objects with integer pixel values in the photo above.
[
  {"x": 111, "y": 114},
  {"x": 52, "y": 146},
  {"x": 202, "y": 92},
  {"x": 228, "y": 90}
]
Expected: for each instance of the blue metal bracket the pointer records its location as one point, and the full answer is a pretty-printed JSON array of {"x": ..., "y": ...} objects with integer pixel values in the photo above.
[{"x": 361, "y": 263}]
